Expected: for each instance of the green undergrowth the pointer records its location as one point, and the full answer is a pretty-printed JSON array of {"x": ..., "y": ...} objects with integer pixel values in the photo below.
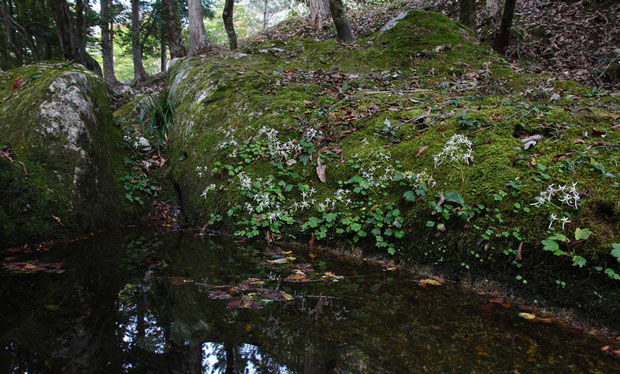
[{"x": 248, "y": 133}]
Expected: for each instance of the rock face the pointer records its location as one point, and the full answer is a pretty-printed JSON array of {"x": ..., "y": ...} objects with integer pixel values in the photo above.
[{"x": 56, "y": 120}]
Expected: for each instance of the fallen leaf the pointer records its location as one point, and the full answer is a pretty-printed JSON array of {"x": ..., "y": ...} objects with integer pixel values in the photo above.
[
  {"x": 527, "y": 316},
  {"x": 579, "y": 141},
  {"x": 429, "y": 281},
  {"x": 18, "y": 83},
  {"x": 57, "y": 220},
  {"x": 179, "y": 281},
  {"x": 421, "y": 151},
  {"x": 320, "y": 170}
]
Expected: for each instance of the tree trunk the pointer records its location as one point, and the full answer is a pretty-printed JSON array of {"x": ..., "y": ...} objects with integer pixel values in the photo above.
[
  {"x": 227, "y": 16},
  {"x": 467, "y": 13},
  {"x": 107, "y": 44},
  {"x": 10, "y": 34},
  {"x": 80, "y": 22},
  {"x": 173, "y": 29},
  {"x": 340, "y": 21},
  {"x": 70, "y": 44},
  {"x": 503, "y": 35},
  {"x": 136, "y": 50},
  {"x": 198, "y": 42},
  {"x": 319, "y": 9},
  {"x": 162, "y": 49}
]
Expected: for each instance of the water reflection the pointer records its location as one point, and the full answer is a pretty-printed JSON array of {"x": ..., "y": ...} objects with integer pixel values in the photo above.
[{"x": 132, "y": 303}]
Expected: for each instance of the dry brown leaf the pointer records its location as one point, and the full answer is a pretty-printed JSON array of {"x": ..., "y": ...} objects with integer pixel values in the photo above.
[{"x": 421, "y": 151}]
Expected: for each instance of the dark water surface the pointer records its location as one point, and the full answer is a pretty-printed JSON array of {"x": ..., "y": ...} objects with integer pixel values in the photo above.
[{"x": 174, "y": 303}]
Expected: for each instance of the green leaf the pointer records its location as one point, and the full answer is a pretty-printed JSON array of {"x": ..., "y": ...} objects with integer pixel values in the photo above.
[
  {"x": 616, "y": 251},
  {"x": 430, "y": 223},
  {"x": 579, "y": 261},
  {"x": 410, "y": 196},
  {"x": 455, "y": 197},
  {"x": 550, "y": 245},
  {"x": 356, "y": 227},
  {"x": 612, "y": 274},
  {"x": 582, "y": 234}
]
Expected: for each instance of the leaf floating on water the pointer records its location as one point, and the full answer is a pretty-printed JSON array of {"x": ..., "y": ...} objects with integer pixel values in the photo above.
[
  {"x": 219, "y": 295},
  {"x": 499, "y": 301},
  {"x": 179, "y": 281},
  {"x": 278, "y": 261},
  {"x": 33, "y": 267},
  {"x": 527, "y": 316},
  {"x": 429, "y": 281},
  {"x": 243, "y": 304},
  {"x": 297, "y": 277},
  {"x": 525, "y": 307},
  {"x": 334, "y": 277}
]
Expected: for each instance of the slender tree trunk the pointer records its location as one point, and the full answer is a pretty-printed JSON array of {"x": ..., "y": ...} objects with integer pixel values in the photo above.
[
  {"x": 162, "y": 49},
  {"x": 107, "y": 44},
  {"x": 467, "y": 13},
  {"x": 70, "y": 44},
  {"x": 343, "y": 28},
  {"x": 227, "y": 16},
  {"x": 502, "y": 40},
  {"x": 198, "y": 42},
  {"x": 138, "y": 67},
  {"x": 10, "y": 34},
  {"x": 173, "y": 29},
  {"x": 80, "y": 22}
]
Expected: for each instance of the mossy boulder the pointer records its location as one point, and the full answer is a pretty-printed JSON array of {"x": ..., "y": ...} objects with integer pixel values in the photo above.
[
  {"x": 249, "y": 129},
  {"x": 57, "y": 122}
]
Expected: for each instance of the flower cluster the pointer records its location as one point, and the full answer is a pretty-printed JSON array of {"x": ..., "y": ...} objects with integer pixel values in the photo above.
[
  {"x": 207, "y": 189},
  {"x": 229, "y": 140},
  {"x": 458, "y": 149},
  {"x": 277, "y": 149},
  {"x": 201, "y": 170},
  {"x": 565, "y": 194},
  {"x": 553, "y": 217},
  {"x": 312, "y": 134}
]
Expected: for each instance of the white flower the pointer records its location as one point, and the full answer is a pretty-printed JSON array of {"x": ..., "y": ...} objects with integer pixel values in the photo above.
[
  {"x": 552, "y": 219},
  {"x": 458, "y": 149},
  {"x": 564, "y": 221}
]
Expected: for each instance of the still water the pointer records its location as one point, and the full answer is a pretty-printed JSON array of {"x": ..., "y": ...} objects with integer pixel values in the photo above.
[{"x": 142, "y": 302}]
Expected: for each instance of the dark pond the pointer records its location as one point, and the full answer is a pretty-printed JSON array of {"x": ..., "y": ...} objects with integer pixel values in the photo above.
[{"x": 175, "y": 303}]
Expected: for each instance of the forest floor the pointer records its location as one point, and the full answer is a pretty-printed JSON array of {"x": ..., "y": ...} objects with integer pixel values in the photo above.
[{"x": 575, "y": 40}]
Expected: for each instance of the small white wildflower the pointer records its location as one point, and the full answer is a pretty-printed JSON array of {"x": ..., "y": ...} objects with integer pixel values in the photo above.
[
  {"x": 552, "y": 219},
  {"x": 564, "y": 221},
  {"x": 458, "y": 149}
]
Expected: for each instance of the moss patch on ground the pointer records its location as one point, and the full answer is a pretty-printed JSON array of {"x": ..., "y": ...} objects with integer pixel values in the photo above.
[{"x": 250, "y": 128}]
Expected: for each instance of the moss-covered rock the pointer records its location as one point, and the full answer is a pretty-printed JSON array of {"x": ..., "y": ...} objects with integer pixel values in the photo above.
[
  {"x": 248, "y": 132},
  {"x": 57, "y": 121}
]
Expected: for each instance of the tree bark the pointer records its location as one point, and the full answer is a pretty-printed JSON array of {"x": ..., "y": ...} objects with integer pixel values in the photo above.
[
  {"x": 173, "y": 29},
  {"x": 136, "y": 50},
  {"x": 80, "y": 21},
  {"x": 162, "y": 49},
  {"x": 343, "y": 28},
  {"x": 198, "y": 42},
  {"x": 319, "y": 9},
  {"x": 467, "y": 13},
  {"x": 227, "y": 16},
  {"x": 107, "y": 44},
  {"x": 69, "y": 41},
  {"x": 502, "y": 40}
]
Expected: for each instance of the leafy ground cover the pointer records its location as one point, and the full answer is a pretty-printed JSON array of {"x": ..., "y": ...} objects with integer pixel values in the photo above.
[{"x": 416, "y": 141}]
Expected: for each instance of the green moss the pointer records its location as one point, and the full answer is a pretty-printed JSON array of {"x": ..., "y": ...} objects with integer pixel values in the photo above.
[
  {"x": 60, "y": 181},
  {"x": 219, "y": 100}
]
